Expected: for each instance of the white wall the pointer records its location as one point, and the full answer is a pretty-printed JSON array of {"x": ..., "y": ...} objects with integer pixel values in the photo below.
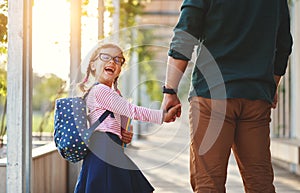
[{"x": 295, "y": 71}]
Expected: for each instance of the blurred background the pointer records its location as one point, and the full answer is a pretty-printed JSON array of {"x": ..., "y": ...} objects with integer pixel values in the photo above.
[{"x": 65, "y": 31}]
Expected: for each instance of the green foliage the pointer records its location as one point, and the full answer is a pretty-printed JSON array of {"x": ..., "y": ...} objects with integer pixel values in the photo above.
[
  {"x": 3, "y": 91},
  {"x": 84, "y": 4},
  {"x": 3, "y": 35},
  {"x": 2, "y": 83},
  {"x": 3, "y": 21},
  {"x": 291, "y": 2},
  {"x": 84, "y": 11},
  {"x": 129, "y": 9},
  {"x": 146, "y": 70},
  {"x": 45, "y": 89},
  {"x": 47, "y": 126},
  {"x": 3, "y": 74}
]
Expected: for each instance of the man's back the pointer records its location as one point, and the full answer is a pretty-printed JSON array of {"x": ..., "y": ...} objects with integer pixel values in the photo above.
[{"x": 249, "y": 40}]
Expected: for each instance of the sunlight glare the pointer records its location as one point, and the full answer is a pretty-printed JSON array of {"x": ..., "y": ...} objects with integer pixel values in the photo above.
[{"x": 50, "y": 37}]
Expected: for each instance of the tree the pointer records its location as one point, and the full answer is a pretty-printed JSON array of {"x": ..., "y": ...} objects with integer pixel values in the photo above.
[
  {"x": 3, "y": 103},
  {"x": 3, "y": 53},
  {"x": 3, "y": 20},
  {"x": 3, "y": 48},
  {"x": 129, "y": 10},
  {"x": 45, "y": 89}
]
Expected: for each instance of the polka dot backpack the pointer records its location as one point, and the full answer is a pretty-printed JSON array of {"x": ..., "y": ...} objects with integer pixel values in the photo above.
[{"x": 71, "y": 132}]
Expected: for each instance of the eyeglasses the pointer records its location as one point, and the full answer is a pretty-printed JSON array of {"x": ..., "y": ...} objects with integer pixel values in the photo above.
[{"x": 106, "y": 58}]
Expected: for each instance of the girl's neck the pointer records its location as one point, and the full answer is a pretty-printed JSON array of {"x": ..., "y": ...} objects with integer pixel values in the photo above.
[{"x": 106, "y": 83}]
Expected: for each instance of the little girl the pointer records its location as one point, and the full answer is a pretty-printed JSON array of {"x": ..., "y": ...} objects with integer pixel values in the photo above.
[{"x": 107, "y": 169}]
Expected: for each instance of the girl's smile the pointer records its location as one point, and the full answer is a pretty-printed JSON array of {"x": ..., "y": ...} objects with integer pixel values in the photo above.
[{"x": 109, "y": 70}]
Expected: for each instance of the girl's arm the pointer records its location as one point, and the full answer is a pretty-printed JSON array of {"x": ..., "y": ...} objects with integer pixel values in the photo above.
[{"x": 107, "y": 98}]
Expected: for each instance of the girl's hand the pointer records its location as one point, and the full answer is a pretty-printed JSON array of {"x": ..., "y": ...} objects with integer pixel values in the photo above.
[
  {"x": 127, "y": 135},
  {"x": 171, "y": 114}
]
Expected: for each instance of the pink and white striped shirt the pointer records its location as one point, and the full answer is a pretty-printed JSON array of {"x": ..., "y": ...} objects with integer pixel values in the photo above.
[{"x": 102, "y": 98}]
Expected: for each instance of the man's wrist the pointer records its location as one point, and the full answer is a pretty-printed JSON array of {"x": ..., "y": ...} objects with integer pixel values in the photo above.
[{"x": 166, "y": 90}]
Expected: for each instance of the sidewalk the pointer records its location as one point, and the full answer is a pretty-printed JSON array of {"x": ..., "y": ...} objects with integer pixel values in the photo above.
[{"x": 163, "y": 156}]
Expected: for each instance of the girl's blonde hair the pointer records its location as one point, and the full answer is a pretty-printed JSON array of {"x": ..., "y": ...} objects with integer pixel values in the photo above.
[{"x": 89, "y": 71}]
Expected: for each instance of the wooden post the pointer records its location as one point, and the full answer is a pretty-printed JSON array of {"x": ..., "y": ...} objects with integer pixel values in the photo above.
[
  {"x": 75, "y": 74},
  {"x": 116, "y": 21},
  {"x": 19, "y": 71},
  {"x": 75, "y": 44},
  {"x": 100, "y": 19}
]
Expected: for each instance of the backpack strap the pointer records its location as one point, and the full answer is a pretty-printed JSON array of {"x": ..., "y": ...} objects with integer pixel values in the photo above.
[{"x": 101, "y": 119}]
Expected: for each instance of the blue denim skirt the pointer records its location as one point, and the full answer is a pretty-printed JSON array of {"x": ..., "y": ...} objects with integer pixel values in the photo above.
[{"x": 107, "y": 169}]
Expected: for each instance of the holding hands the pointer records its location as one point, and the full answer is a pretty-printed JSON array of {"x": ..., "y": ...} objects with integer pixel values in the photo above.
[
  {"x": 172, "y": 108},
  {"x": 170, "y": 115}
]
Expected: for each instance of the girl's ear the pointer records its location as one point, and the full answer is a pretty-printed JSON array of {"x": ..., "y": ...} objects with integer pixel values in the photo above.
[{"x": 92, "y": 66}]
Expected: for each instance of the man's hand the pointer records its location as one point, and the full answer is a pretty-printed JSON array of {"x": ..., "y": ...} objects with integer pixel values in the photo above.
[
  {"x": 175, "y": 70},
  {"x": 275, "y": 100},
  {"x": 274, "y": 103}
]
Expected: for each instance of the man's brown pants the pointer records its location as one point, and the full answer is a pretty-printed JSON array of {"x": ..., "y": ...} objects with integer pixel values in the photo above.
[{"x": 217, "y": 126}]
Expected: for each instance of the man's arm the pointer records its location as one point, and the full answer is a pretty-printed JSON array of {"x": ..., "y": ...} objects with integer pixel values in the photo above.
[
  {"x": 187, "y": 33},
  {"x": 175, "y": 70}
]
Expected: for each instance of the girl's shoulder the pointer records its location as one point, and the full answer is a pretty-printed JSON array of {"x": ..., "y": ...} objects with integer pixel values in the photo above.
[
  {"x": 102, "y": 89},
  {"x": 100, "y": 85},
  {"x": 98, "y": 93}
]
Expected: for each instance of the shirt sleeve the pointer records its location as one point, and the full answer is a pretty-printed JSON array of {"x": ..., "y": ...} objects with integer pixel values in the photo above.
[
  {"x": 107, "y": 98},
  {"x": 284, "y": 42},
  {"x": 188, "y": 30}
]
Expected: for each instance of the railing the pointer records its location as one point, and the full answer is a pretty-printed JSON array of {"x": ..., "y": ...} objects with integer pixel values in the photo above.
[
  {"x": 281, "y": 115},
  {"x": 285, "y": 148},
  {"x": 49, "y": 171}
]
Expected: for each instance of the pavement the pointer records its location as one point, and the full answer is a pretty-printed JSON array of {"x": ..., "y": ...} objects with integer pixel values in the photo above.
[{"x": 163, "y": 155}]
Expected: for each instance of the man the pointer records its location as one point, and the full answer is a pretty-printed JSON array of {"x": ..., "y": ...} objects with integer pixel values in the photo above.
[{"x": 243, "y": 49}]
